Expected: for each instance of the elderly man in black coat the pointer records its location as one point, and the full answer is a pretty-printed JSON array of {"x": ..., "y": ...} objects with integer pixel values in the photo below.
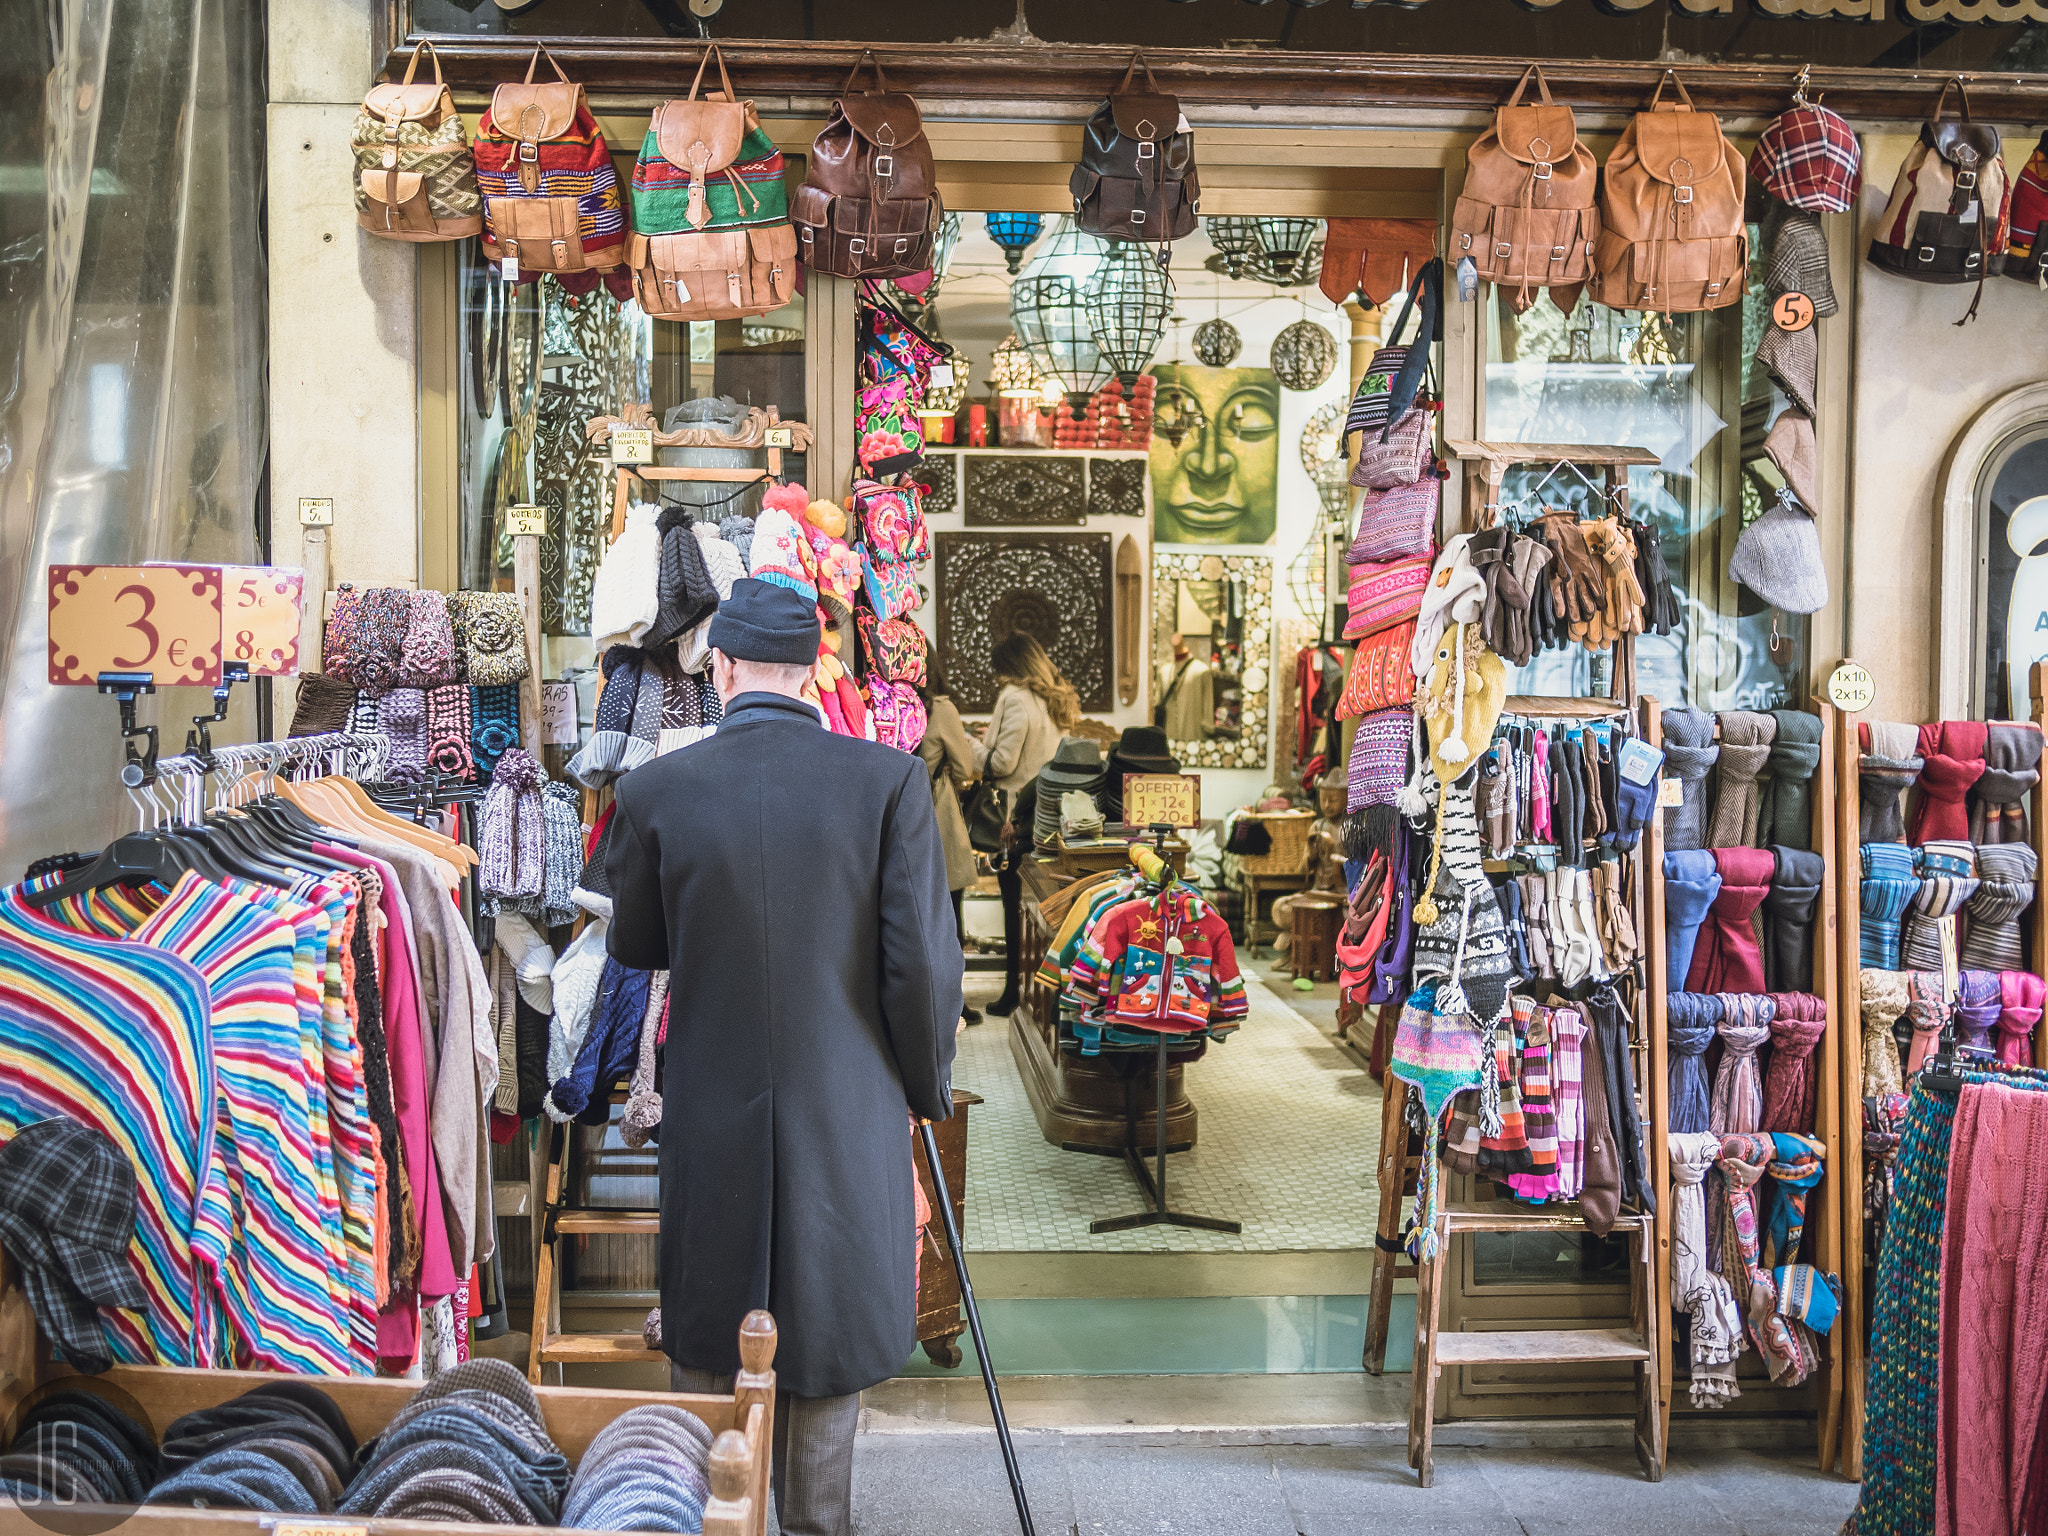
[{"x": 792, "y": 883}]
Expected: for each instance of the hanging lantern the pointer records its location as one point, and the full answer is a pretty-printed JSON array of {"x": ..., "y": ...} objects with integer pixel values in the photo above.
[
  {"x": 1322, "y": 456},
  {"x": 1303, "y": 355},
  {"x": 1049, "y": 308},
  {"x": 1014, "y": 232},
  {"x": 1283, "y": 244},
  {"x": 1127, "y": 309},
  {"x": 1217, "y": 343},
  {"x": 944, "y": 243},
  {"x": 1235, "y": 239},
  {"x": 1012, "y": 371},
  {"x": 946, "y": 399}
]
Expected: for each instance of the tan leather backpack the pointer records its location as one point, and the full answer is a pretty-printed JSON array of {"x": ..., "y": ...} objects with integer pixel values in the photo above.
[
  {"x": 415, "y": 175},
  {"x": 1671, "y": 232},
  {"x": 1526, "y": 218}
]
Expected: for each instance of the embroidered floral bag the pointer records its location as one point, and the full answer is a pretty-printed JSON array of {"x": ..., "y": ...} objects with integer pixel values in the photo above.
[
  {"x": 1382, "y": 673},
  {"x": 898, "y": 713},
  {"x": 895, "y": 648},
  {"x": 891, "y": 585},
  {"x": 892, "y": 519}
]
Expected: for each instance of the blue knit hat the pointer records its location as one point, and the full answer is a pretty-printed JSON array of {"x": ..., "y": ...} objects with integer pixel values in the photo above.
[{"x": 765, "y": 622}]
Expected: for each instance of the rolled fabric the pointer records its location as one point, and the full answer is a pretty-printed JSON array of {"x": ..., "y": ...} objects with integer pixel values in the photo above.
[
  {"x": 1509, "y": 895},
  {"x": 1796, "y": 878},
  {"x": 1727, "y": 958},
  {"x": 1716, "y": 1331},
  {"x": 1690, "y": 1022},
  {"x": 1745, "y": 747},
  {"x": 1736, "y": 1104},
  {"x": 1881, "y": 783},
  {"x": 1786, "y": 820},
  {"x": 1947, "y": 872},
  {"x": 2012, "y": 767},
  {"x": 1888, "y": 738},
  {"x": 2006, "y": 882},
  {"x": 1884, "y": 1002},
  {"x": 1953, "y": 752},
  {"x": 1791, "y": 1081},
  {"x": 1691, "y": 882},
  {"x": 1979, "y": 1001},
  {"x": 1889, "y": 884},
  {"x": 2019, "y": 1013},
  {"x": 1690, "y": 753},
  {"x": 1925, "y": 1009}
]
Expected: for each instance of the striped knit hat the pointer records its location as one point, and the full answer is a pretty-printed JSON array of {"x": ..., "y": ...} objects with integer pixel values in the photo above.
[{"x": 1439, "y": 1056}]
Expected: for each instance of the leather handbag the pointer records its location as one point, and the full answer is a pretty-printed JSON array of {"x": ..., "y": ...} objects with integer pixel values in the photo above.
[
  {"x": 1136, "y": 176},
  {"x": 869, "y": 205},
  {"x": 1527, "y": 218},
  {"x": 711, "y": 237},
  {"x": 986, "y": 809},
  {"x": 543, "y": 167},
  {"x": 415, "y": 172},
  {"x": 1397, "y": 521},
  {"x": 1671, "y": 235},
  {"x": 1949, "y": 218},
  {"x": 1401, "y": 455}
]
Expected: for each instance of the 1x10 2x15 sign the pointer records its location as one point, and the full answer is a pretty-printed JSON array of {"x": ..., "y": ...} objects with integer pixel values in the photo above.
[{"x": 175, "y": 622}]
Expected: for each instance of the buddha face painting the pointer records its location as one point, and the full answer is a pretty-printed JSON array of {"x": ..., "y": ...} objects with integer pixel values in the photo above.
[{"x": 1215, "y": 454}]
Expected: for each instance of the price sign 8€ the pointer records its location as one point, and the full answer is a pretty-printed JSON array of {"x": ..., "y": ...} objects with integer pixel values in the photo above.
[
  {"x": 160, "y": 619},
  {"x": 260, "y": 617}
]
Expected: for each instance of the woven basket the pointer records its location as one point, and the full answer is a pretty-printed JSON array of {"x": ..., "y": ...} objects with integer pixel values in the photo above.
[{"x": 1289, "y": 853}]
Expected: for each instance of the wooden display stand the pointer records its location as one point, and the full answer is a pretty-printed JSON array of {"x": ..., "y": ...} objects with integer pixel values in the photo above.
[
  {"x": 939, "y": 1320},
  {"x": 743, "y": 1424},
  {"x": 1312, "y": 941}
]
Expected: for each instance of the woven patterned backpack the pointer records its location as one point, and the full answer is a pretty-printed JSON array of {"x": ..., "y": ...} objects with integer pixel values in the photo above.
[
  {"x": 415, "y": 175},
  {"x": 1947, "y": 221},
  {"x": 711, "y": 237},
  {"x": 551, "y": 197}
]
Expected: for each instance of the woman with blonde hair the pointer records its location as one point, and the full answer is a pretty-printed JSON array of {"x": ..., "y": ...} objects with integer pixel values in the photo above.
[{"x": 1033, "y": 708}]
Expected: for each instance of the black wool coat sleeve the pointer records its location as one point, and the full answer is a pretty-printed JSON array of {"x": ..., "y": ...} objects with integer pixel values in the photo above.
[{"x": 793, "y": 884}]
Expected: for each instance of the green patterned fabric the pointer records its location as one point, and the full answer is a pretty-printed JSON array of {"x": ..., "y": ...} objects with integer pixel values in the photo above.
[
  {"x": 750, "y": 195},
  {"x": 441, "y": 155}
]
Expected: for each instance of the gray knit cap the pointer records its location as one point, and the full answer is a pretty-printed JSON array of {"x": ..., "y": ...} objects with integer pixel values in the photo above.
[{"x": 1778, "y": 558}]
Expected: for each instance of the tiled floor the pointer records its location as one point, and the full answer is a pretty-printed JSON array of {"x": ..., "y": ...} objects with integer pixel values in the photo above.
[{"x": 1288, "y": 1135}]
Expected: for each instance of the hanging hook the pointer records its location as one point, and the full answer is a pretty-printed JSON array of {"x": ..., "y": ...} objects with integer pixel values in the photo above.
[{"x": 1799, "y": 85}]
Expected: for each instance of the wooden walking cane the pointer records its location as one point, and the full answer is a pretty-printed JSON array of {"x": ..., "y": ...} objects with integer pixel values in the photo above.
[{"x": 988, "y": 1374}]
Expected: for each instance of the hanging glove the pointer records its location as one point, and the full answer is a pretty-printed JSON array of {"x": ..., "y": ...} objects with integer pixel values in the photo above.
[
  {"x": 1577, "y": 589},
  {"x": 1611, "y": 543},
  {"x": 1660, "y": 603}
]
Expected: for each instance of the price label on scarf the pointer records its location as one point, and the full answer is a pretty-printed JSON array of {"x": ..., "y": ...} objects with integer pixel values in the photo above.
[
  {"x": 558, "y": 714},
  {"x": 161, "y": 619},
  {"x": 260, "y": 607},
  {"x": 1162, "y": 799},
  {"x": 1851, "y": 688},
  {"x": 632, "y": 445}
]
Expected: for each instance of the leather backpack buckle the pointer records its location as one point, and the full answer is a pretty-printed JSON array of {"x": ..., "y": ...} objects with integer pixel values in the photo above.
[
  {"x": 1681, "y": 194},
  {"x": 1966, "y": 179},
  {"x": 1464, "y": 242},
  {"x": 885, "y": 166},
  {"x": 1147, "y": 149},
  {"x": 1541, "y": 171},
  {"x": 560, "y": 248},
  {"x": 1557, "y": 252},
  {"x": 902, "y": 245},
  {"x": 510, "y": 248},
  {"x": 1970, "y": 261},
  {"x": 1925, "y": 254},
  {"x": 529, "y": 151},
  {"x": 856, "y": 246},
  {"x": 1137, "y": 217},
  {"x": 1503, "y": 249}
]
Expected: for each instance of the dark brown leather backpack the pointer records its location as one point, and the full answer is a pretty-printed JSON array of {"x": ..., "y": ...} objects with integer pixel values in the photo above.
[
  {"x": 869, "y": 205},
  {"x": 1136, "y": 177}
]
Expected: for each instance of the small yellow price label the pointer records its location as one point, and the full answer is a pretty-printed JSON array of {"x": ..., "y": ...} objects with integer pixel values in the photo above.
[
  {"x": 525, "y": 518},
  {"x": 781, "y": 437},
  {"x": 1851, "y": 688},
  {"x": 316, "y": 511},
  {"x": 632, "y": 445}
]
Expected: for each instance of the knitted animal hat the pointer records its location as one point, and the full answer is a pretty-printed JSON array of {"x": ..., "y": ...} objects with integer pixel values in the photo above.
[
  {"x": 1455, "y": 595},
  {"x": 782, "y": 555},
  {"x": 1461, "y": 702},
  {"x": 1778, "y": 558}
]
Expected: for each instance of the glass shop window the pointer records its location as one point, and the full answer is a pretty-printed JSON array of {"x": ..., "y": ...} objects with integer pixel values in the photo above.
[
  {"x": 1684, "y": 388},
  {"x": 2012, "y": 568},
  {"x": 540, "y": 362}
]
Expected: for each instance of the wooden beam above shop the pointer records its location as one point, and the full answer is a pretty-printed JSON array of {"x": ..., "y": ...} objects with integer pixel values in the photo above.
[{"x": 1073, "y": 77}]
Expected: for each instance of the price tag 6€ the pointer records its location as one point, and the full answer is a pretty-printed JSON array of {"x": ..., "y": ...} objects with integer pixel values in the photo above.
[
  {"x": 783, "y": 437},
  {"x": 632, "y": 445},
  {"x": 260, "y": 607},
  {"x": 524, "y": 519}
]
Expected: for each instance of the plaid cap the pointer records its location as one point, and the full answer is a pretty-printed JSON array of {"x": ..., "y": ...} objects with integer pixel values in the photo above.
[
  {"x": 1809, "y": 157},
  {"x": 67, "y": 1214}
]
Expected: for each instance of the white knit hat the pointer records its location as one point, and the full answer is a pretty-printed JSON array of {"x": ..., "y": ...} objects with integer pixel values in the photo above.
[
  {"x": 625, "y": 594},
  {"x": 1454, "y": 596}
]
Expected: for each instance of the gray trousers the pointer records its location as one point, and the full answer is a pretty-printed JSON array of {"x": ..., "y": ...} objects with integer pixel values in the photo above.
[{"x": 812, "y": 1471}]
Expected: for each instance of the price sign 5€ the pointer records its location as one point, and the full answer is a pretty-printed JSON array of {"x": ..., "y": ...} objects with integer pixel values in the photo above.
[
  {"x": 160, "y": 619},
  {"x": 260, "y": 617}
]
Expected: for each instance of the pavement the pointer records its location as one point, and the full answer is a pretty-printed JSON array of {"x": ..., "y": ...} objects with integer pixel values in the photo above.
[{"x": 1108, "y": 1485}]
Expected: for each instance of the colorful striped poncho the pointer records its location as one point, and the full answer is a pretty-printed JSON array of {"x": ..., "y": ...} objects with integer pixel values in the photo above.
[{"x": 661, "y": 189}]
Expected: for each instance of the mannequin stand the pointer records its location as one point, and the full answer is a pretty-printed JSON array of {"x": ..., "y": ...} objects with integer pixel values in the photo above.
[{"x": 1159, "y": 1214}]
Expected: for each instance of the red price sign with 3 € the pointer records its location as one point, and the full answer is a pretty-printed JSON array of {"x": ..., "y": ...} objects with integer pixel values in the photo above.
[{"x": 160, "y": 619}]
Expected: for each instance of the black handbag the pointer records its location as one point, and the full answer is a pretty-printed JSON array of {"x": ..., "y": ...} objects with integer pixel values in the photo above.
[{"x": 986, "y": 808}]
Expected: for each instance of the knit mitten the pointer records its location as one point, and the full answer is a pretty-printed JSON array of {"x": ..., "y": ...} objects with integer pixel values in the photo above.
[
  {"x": 1948, "y": 878},
  {"x": 1580, "y": 947},
  {"x": 1690, "y": 753},
  {"x": 1727, "y": 958},
  {"x": 1618, "y": 938},
  {"x": 1883, "y": 1002},
  {"x": 402, "y": 716},
  {"x": 1889, "y": 886},
  {"x": 1535, "y": 925},
  {"x": 1786, "y": 819},
  {"x": 1660, "y": 603},
  {"x": 1953, "y": 752},
  {"x": 448, "y": 727},
  {"x": 493, "y": 726},
  {"x": 1691, "y": 883},
  {"x": 1589, "y": 924},
  {"x": 1736, "y": 1104},
  {"x": 1746, "y": 739},
  {"x": 1788, "y": 920},
  {"x": 322, "y": 705},
  {"x": 2020, "y": 997},
  {"x": 2012, "y": 767},
  {"x": 427, "y": 654},
  {"x": 1791, "y": 1082},
  {"x": 1690, "y": 1022},
  {"x": 2006, "y": 882},
  {"x": 1881, "y": 784},
  {"x": 1926, "y": 1008},
  {"x": 1509, "y": 897},
  {"x": 1577, "y": 586},
  {"x": 1978, "y": 1003}
]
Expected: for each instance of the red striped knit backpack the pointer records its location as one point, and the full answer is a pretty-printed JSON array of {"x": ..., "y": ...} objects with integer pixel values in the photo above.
[{"x": 551, "y": 197}]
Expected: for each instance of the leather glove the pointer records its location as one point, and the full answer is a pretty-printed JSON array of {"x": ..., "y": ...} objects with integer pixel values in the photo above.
[
  {"x": 1577, "y": 581},
  {"x": 1611, "y": 543}
]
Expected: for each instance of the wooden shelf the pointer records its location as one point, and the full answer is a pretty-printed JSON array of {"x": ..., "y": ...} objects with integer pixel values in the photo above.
[
  {"x": 606, "y": 1223},
  {"x": 1540, "y": 1346},
  {"x": 598, "y": 1349}
]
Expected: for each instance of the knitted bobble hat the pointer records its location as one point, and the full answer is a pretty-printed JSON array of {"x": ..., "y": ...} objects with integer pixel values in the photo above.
[
  {"x": 684, "y": 593},
  {"x": 739, "y": 533},
  {"x": 562, "y": 849},
  {"x": 625, "y": 594},
  {"x": 323, "y": 704},
  {"x": 510, "y": 829},
  {"x": 427, "y": 657},
  {"x": 781, "y": 554},
  {"x": 602, "y": 756},
  {"x": 402, "y": 715}
]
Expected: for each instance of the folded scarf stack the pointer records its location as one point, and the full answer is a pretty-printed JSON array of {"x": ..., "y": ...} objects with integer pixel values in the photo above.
[{"x": 647, "y": 1470}]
